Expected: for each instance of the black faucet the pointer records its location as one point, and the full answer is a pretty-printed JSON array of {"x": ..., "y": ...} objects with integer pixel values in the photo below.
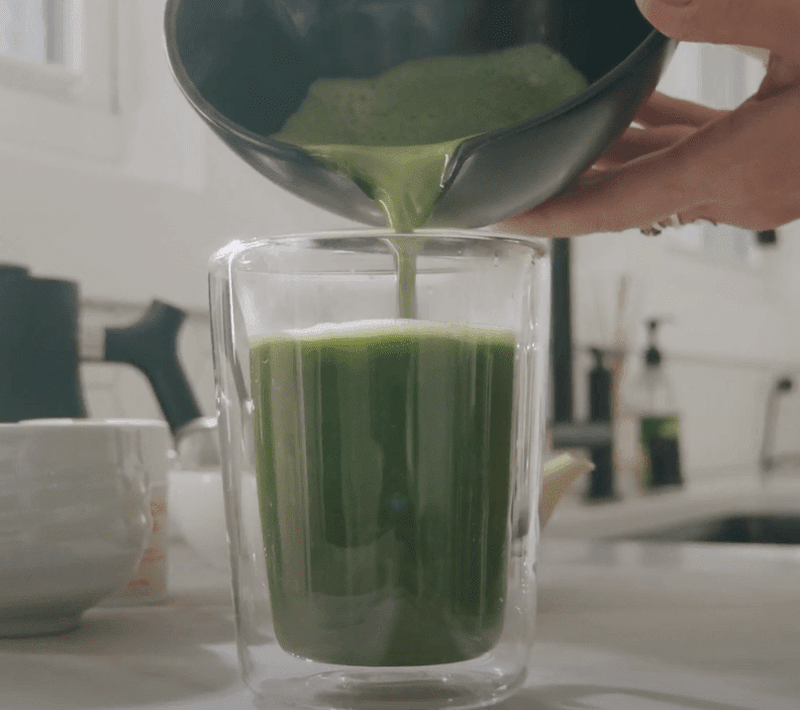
[
  {"x": 601, "y": 479},
  {"x": 596, "y": 435}
]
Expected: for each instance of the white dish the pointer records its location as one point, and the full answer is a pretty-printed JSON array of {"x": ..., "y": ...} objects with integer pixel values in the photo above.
[
  {"x": 74, "y": 516},
  {"x": 51, "y": 597},
  {"x": 197, "y": 514}
]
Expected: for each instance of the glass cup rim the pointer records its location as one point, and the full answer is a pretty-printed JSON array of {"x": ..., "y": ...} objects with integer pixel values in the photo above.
[{"x": 235, "y": 248}]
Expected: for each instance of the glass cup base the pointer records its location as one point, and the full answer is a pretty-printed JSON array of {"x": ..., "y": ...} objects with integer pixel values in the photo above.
[{"x": 390, "y": 689}]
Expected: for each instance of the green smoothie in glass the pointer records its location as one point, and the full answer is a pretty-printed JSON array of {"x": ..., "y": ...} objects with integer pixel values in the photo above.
[
  {"x": 383, "y": 458},
  {"x": 383, "y": 449}
]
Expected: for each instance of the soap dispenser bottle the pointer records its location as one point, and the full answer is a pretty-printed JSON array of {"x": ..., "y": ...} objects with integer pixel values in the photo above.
[{"x": 653, "y": 401}]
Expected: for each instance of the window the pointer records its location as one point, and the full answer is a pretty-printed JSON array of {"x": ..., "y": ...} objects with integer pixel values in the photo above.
[
  {"x": 59, "y": 87},
  {"x": 42, "y": 48},
  {"x": 36, "y": 30}
]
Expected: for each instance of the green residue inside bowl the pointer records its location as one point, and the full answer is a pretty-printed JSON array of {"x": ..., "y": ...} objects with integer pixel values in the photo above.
[{"x": 393, "y": 134}]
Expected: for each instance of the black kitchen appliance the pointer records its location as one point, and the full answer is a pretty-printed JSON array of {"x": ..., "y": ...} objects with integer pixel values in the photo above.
[{"x": 41, "y": 350}]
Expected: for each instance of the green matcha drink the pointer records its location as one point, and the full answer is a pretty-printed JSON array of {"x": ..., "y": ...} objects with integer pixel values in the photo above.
[
  {"x": 383, "y": 448},
  {"x": 383, "y": 460},
  {"x": 394, "y": 133}
]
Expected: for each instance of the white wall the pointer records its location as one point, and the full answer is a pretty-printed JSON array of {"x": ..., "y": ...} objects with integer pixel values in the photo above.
[
  {"x": 736, "y": 313},
  {"x": 132, "y": 205},
  {"x": 141, "y": 222},
  {"x": 144, "y": 222}
]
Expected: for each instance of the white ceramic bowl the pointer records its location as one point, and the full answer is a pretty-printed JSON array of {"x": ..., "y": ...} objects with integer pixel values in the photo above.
[{"x": 73, "y": 515}]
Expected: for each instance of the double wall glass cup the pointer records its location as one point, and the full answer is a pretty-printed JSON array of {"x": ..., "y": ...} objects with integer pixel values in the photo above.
[{"x": 381, "y": 410}]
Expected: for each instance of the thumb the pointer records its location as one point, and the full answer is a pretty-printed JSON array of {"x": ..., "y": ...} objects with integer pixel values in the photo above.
[{"x": 768, "y": 24}]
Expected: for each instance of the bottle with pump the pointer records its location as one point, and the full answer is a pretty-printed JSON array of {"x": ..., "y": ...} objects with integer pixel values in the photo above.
[{"x": 653, "y": 401}]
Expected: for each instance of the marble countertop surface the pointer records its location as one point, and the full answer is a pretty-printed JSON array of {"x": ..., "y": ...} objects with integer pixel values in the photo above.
[{"x": 622, "y": 626}]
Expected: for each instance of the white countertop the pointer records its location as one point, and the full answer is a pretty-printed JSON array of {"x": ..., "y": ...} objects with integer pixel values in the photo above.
[
  {"x": 574, "y": 519},
  {"x": 627, "y": 626}
]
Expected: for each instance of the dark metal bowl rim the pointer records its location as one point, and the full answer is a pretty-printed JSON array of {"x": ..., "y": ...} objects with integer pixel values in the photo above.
[{"x": 652, "y": 44}]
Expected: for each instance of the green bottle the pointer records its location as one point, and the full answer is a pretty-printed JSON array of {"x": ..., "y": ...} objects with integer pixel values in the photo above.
[{"x": 653, "y": 401}]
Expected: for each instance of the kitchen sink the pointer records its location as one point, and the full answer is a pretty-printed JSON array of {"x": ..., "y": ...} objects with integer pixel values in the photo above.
[
  {"x": 745, "y": 511},
  {"x": 774, "y": 529}
]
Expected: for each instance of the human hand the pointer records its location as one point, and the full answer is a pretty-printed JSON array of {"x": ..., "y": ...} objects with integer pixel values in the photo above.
[{"x": 739, "y": 167}]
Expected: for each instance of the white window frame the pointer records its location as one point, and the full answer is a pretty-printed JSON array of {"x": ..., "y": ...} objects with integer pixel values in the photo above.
[{"x": 65, "y": 108}]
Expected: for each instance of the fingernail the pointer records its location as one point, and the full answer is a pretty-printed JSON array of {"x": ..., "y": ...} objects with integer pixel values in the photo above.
[
  {"x": 648, "y": 7},
  {"x": 665, "y": 15}
]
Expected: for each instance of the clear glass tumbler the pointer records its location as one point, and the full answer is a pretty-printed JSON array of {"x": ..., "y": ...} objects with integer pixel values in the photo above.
[{"x": 381, "y": 408}]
